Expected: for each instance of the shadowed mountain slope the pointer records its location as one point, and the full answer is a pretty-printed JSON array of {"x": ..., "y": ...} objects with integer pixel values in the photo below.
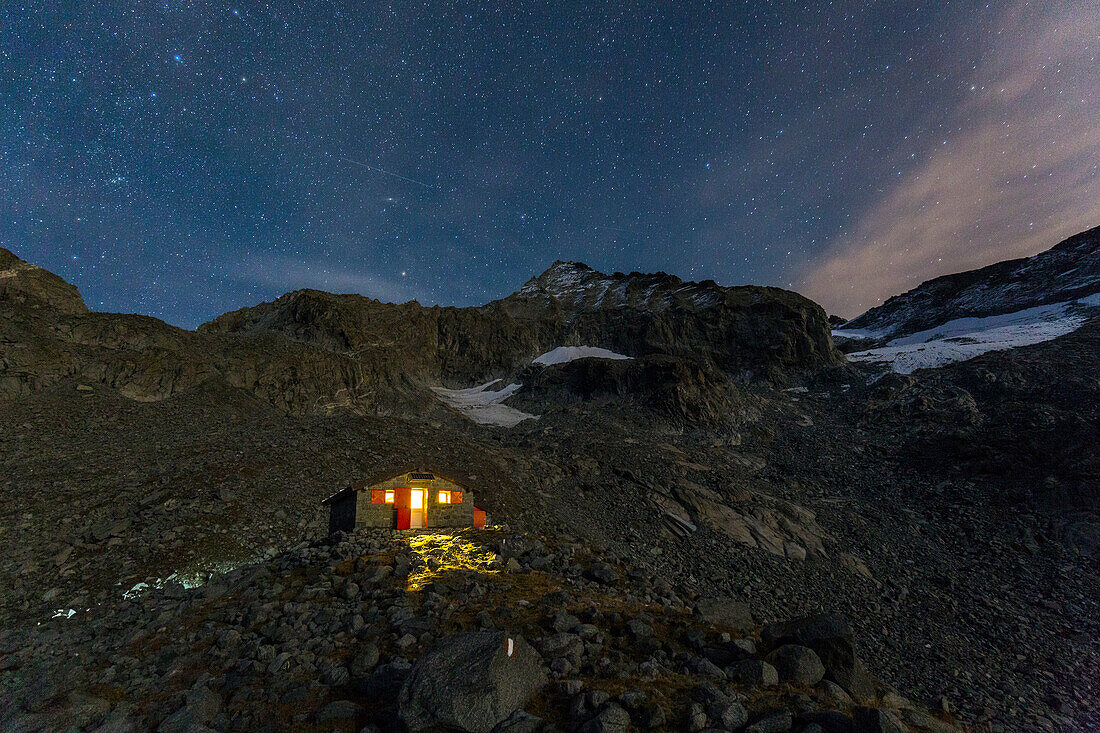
[
  {"x": 1068, "y": 271},
  {"x": 948, "y": 514},
  {"x": 766, "y": 331}
]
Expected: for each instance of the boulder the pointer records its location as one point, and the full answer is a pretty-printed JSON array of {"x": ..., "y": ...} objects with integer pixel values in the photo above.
[
  {"x": 798, "y": 664},
  {"x": 199, "y": 709},
  {"x": 753, "y": 672},
  {"x": 339, "y": 710},
  {"x": 519, "y": 722},
  {"x": 364, "y": 660},
  {"x": 470, "y": 682},
  {"x": 602, "y": 573},
  {"x": 829, "y": 721},
  {"x": 834, "y": 693},
  {"x": 729, "y": 715},
  {"x": 776, "y": 721},
  {"x": 724, "y": 611},
  {"x": 612, "y": 719},
  {"x": 873, "y": 720},
  {"x": 830, "y": 637}
]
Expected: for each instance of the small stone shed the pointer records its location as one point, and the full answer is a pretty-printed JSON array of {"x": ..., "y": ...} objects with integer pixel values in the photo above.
[{"x": 414, "y": 498}]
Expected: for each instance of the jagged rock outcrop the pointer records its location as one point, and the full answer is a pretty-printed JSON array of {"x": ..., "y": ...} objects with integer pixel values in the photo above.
[
  {"x": 49, "y": 336},
  {"x": 1068, "y": 271},
  {"x": 683, "y": 390},
  {"x": 753, "y": 519},
  {"x": 29, "y": 285},
  {"x": 764, "y": 331},
  {"x": 310, "y": 350}
]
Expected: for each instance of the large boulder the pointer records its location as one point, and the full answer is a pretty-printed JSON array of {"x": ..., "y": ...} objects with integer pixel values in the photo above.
[
  {"x": 753, "y": 672},
  {"x": 873, "y": 720},
  {"x": 830, "y": 637},
  {"x": 724, "y": 611},
  {"x": 798, "y": 664},
  {"x": 470, "y": 682}
]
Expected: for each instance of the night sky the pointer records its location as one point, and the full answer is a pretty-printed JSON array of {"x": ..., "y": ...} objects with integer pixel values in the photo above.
[{"x": 183, "y": 159}]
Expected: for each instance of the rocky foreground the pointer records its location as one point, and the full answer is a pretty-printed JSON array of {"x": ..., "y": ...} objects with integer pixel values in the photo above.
[
  {"x": 949, "y": 516},
  {"x": 477, "y": 631}
]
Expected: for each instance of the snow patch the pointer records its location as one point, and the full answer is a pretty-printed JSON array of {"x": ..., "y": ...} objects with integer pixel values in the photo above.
[
  {"x": 137, "y": 590},
  {"x": 966, "y": 338},
  {"x": 192, "y": 577},
  {"x": 861, "y": 333},
  {"x": 563, "y": 354},
  {"x": 484, "y": 406}
]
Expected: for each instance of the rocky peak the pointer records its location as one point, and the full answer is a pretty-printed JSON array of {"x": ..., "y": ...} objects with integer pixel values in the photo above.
[
  {"x": 562, "y": 279},
  {"x": 23, "y": 282},
  {"x": 1068, "y": 271},
  {"x": 765, "y": 330},
  {"x": 578, "y": 287}
]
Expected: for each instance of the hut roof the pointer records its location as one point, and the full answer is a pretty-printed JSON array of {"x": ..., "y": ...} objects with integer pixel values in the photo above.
[
  {"x": 458, "y": 477},
  {"x": 333, "y": 497}
]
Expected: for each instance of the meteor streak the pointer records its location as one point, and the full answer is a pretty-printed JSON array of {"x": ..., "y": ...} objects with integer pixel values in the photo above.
[{"x": 379, "y": 170}]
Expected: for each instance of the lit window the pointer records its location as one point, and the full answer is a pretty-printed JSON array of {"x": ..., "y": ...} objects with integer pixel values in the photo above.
[
  {"x": 389, "y": 497},
  {"x": 444, "y": 497}
]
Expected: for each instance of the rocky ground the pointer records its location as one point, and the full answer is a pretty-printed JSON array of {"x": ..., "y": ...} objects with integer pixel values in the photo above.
[
  {"x": 958, "y": 586},
  {"x": 481, "y": 630},
  {"x": 948, "y": 517}
]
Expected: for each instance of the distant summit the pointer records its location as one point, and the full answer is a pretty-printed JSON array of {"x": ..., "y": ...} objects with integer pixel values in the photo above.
[
  {"x": 1003, "y": 306},
  {"x": 578, "y": 287},
  {"x": 1068, "y": 271}
]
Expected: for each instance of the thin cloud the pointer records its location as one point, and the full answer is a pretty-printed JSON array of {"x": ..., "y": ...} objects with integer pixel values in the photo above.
[
  {"x": 1021, "y": 173},
  {"x": 284, "y": 274}
]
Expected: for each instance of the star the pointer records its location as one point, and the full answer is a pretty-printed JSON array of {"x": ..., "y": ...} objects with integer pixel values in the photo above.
[{"x": 624, "y": 146}]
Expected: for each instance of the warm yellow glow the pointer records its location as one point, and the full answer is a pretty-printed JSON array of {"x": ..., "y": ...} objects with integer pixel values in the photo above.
[
  {"x": 444, "y": 497},
  {"x": 443, "y": 552},
  {"x": 389, "y": 497},
  {"x": 417, "y": 499}
]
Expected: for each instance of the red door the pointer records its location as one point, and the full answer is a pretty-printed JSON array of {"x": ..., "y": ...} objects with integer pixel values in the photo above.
[{"x": 402, "y": 500}]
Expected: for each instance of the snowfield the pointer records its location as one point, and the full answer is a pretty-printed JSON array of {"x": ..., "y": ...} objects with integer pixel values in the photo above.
[
  {"x": 966, "y": 338},
  {"x": 859, "y": 333},
  {"x": 484, "y": 406},
  {"x": 563, "y": 354}
]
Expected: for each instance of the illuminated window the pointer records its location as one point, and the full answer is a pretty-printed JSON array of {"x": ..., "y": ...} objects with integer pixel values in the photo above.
[
  {"x": 444, "y": 497},
  {"x": 389, "y": 497}
]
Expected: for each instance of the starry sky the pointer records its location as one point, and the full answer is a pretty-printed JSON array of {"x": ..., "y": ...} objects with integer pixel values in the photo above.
[{"x": 182, "y": 159}]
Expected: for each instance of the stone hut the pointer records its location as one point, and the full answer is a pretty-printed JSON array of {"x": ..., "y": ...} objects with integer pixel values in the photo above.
[{"x": 411, "y": 499}]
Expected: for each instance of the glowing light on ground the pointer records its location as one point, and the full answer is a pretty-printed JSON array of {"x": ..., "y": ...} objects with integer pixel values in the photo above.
[{"x": 442, "y": 553}]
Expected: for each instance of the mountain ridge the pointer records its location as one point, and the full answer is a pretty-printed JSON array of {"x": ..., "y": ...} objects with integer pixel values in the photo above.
[
  {"x": 944, "y": 513},
  {"x": 1002, "y": 287},
  {"x": 766, "y": 329}
]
